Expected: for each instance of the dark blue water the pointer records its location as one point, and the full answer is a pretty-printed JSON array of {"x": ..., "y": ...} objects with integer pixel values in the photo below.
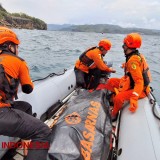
[{"x": 52, "y": 51}]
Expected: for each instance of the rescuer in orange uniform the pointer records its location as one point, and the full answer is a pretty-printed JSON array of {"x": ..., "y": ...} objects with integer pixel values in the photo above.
[
  {"x": 90, "y": 65},
  {"x": 135, "y": 82},
  {"x": 14, "y": 122}
]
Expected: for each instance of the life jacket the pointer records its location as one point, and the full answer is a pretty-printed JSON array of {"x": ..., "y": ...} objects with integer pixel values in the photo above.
[
  {"x": 146, "y": 72},
  {"x": 127, "y": 81},
  {"x": 86, "y": 60},
  {"x": 8, "y": 85}
]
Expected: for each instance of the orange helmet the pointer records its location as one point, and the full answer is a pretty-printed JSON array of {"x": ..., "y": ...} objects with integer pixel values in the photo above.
[
  {"x": 133, "y": 40},
  {"x": 105, "y": 43},
  {"x": 8, "y": 35}
]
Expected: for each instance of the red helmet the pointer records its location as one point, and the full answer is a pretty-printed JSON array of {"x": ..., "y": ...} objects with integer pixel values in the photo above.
[
  {"x": 133, "y": 40},
  {"x": 7, "y": 34},
  {"x": 105, "y": 43}
]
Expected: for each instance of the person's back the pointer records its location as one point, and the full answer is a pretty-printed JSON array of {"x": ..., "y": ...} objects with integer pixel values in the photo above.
[
  {"x": 14, "y": 121},
  {"x": 12, "y": 64},
  {"x": 16, "y": 68}
]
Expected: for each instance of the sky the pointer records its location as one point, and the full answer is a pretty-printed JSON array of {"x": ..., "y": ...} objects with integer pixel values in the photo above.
[{"x": 125, "y": 13}]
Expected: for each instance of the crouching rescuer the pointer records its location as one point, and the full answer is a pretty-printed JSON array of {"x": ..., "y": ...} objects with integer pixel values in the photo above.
[
  {"x": 90, "y": 65},
  {"x": 16, "y": 118}
]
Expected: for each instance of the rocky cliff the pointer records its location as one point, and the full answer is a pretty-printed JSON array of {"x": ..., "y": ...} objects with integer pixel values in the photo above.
[{"x": 20, "y": 20}]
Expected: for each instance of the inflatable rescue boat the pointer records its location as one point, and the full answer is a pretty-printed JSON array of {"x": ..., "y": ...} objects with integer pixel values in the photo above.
[{"x": 82, "y": 126}]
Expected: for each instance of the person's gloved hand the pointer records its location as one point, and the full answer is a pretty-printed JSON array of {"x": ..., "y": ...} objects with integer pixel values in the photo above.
[
  {"x": 123, "y": 65},
  {"x": 133, "y": 102}
]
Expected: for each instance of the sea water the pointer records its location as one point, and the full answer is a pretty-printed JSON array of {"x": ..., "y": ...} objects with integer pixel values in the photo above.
[{"x": 53, "y": 51}]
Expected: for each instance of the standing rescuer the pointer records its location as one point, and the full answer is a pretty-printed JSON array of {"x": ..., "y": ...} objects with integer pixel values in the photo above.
[
  {"x": 14, "y": 122},
  {"x": 135, "y": 82},
  {"x": 90, "y": 65}
]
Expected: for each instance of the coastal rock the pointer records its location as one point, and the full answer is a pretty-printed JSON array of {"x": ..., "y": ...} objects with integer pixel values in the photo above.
[{"x": 20, "y": 20}]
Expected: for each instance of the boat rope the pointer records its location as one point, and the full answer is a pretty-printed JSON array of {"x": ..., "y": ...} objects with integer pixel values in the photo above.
[
  {"x": 153, "y": 101},
  {"x": 50, "y": 75}
]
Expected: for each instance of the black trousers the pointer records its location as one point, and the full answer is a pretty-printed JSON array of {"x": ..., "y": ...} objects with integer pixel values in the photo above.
[
  {"x": 88, "y": 81},
  {"x": 94, "y": 76},
  {"x": 23, "y": 106},
  {"x": 14, "y": 122}
]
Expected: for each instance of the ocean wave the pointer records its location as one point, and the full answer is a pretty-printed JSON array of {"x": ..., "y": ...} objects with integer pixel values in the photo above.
[{"x": 52, "y": 51}]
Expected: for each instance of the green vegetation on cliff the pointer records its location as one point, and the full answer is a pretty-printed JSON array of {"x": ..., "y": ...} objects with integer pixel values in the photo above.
[{"x": 20, "y": 20}]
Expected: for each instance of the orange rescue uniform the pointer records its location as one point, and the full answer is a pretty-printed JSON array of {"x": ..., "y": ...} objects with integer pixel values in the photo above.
[
  {"x": 16, "y": 68},
  {"x": 96, "y": 56},
  {"x": 135, "y": 67}
]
